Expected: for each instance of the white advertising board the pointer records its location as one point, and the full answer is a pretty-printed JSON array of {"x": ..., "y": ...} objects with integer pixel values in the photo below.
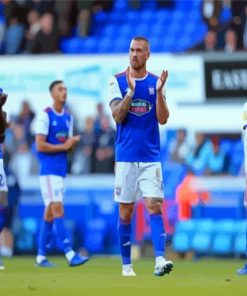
[{"x": 86, "y": 76}]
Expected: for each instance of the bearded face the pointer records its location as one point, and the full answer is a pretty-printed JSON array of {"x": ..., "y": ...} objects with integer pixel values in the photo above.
[{"x": 139, "y": 54}]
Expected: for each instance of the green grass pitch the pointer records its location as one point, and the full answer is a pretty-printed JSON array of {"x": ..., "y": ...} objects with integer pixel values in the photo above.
[{"x": 101, "y": 276}]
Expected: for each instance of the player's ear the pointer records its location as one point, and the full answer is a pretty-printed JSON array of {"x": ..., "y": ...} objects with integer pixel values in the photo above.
[{"x": 148, "y": 55}]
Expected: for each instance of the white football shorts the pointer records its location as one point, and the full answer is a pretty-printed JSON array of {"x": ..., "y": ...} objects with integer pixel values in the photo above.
[
  {"x": 3, "y": 181},
  {"x": 134, "y": 180},
  {"x": 52, "y": 188}
]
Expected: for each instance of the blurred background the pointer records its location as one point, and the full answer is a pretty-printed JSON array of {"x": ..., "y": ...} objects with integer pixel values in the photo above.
[{"x": 202, "y": 43}]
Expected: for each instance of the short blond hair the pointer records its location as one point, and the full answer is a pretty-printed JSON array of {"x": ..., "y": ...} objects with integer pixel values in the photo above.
[{"x": 142, "y": 38}]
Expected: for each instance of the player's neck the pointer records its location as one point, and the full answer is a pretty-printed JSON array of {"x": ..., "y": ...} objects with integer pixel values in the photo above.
[
  {"x": 138, "y": 73},
  {"x": 58, "y": 107}
]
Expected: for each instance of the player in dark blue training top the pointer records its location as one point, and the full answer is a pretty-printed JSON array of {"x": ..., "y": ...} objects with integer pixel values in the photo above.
[
  {"x": 54, "y": 139},
  {"x": 138, "y": 103}
]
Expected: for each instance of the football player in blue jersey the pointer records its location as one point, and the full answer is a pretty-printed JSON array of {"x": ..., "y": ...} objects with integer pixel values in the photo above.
[
  {"x": 53, "y": 140},
  {"x": 138, "y": 104},
  {"x": 3, "y": 184},
  {"x": 243, "y": 270}
]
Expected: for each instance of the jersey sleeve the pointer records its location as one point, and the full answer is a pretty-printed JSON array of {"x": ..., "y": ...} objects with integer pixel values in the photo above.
[
  {"x": 71, "y": 126},
  {"x": 114, "y": 90},
  {"x": 42, "y": 125},
  {"x": 245, "y": 116}
]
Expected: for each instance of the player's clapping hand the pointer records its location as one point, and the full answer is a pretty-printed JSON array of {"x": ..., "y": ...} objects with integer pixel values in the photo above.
[
  {"x": 130, "y": 80},
  {"x": 71, "y": 142},
  {"x": 161, "y": 80}
]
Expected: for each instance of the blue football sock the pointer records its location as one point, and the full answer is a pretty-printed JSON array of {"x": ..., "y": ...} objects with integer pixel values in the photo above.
[
  {"x": 158, "y": 234},
  {"x": 45, "y": 234},
  {"x": 3, "y": 216},
  {"x": 124, "y": 234},
  {"x": 64, "y": 242}
]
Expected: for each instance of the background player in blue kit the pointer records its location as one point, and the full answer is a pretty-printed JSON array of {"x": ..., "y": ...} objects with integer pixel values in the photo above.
[
  {"x": 54, "y": 139},
  {"x": 138, "y": 103},
  {"x": 243, "y": 270}
]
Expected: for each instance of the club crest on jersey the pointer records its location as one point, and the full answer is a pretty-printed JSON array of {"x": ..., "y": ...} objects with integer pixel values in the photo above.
[
  {"x": 151, "y": 90},
  {"x": 118, "y": 190},
  {"x": 140, "y": 107},
  {"x": 62, "y": 137}
]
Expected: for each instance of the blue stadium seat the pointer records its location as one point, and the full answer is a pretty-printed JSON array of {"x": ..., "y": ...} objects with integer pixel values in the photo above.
[
  {"x": 131, "y": 15},
  {"x": 125, "y": 30},
  {"x": 240, "y": 244},
  {"x": 25, "y": 237},
  {"x": 240, "y": 227},
  {"x": 105, "y": 45},
  {"x": 95, "y": 235},
  {"x": 162, "y": 17},
  {"x": 146, "y": 16},
  {"x": 142, "y": 29},
  {"x": 202, "y": 239},
  {"x": 182, "y": 236},
  {"x": 187, "y": 226},
  {"x": 155, "y": 44},
  {"x": 167, "y": 44},
  {"x": 224, "y": 237},
  {"x": 109, "y": 31},
  {"x": 157, "y": 30},
  {"x": 205, "y": 225},
  {"x": 90, "y": 45},
  {"x": 30, "y": 225},
  {"x": 120, "y": 5},
  {"x": 226, "y": 226},
  {"x": 189, "y": 28},
  {"x": 151, "y": 4},
  {"x": 115, "y": 17},
  {"x": 181, "y": 242},
  {"x": 222, "y": 244},
  {"x": 195, "y": 15},
  {"x": 201, "y": 242},
  {"x": 121, "y": 44},
  {"x": 178, "y": 15},
  {"x": 186, "y": 5}
]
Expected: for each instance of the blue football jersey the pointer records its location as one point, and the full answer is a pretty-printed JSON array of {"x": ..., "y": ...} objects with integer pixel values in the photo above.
[
  {"x": 57, "y": 128},
  {"x": 137, "y": 138}
]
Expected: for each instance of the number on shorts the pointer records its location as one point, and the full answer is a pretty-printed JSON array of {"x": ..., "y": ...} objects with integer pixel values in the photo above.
[{"x": 1, "y": 180}]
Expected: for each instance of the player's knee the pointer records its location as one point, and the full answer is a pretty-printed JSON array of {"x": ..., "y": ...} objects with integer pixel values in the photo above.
[
  {"x": 57, "y": 209},
  {"x": 48, "y": 216},
  {"x": 154, "y": 206},
  {"x": 126, "y": 211},
  {"x": 125, "y": 215},
  {"x": 3, "y": 198}
]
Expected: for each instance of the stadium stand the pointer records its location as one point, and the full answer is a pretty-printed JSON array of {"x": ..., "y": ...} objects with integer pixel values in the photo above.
[
  {"x": 163, "y": 26},
  {"x": 222, "y": 237}
]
